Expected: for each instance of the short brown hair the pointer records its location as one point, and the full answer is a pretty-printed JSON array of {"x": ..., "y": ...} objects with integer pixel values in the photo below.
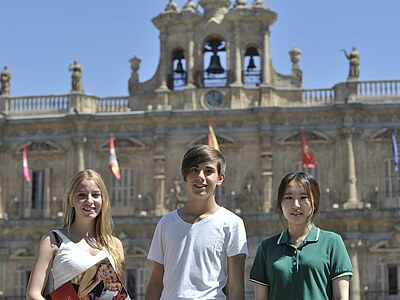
[{"x": 199, "y": 154}]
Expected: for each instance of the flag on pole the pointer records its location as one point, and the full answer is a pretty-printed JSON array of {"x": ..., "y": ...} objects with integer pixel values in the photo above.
[
  {"x": 308, "y": 159},
  {"x": 212, "y": 139},
  {"x": 25, "y": 167},
  {"x": 112, "y": 159},
  {"x": 395, "y": 152}
]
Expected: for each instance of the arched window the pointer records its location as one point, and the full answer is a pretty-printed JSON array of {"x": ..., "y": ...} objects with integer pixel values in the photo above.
[
  {"x": 215, "y": 72},
  {"x": 177, "y": 79},
  {"x": 252, "y": 68}
]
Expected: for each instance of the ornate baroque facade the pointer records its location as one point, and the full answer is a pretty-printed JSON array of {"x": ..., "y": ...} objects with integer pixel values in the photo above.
[{"x": 215, "y": 65}]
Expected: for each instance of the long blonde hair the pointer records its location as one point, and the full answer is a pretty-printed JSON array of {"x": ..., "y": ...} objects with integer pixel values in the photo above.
[{"x": 103, "y": 222}]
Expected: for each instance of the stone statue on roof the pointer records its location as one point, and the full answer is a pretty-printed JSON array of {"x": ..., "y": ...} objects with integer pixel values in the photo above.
[
  {"x": 5, "y": 80},
  {"x": 354, "y": 60},
  {"x": 77, "y": 71}
]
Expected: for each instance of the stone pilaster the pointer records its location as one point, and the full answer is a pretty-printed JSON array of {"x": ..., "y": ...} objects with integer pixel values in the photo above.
[
  {"x": 265, "y": 59},
  {"x": 237, "y": 56},
  {"x": 190, "y": 58},
  {"x": 159, "y": 176},
  {"x": 266, "y": 173},
  {"x": 163, "y": 62},
  {"x": 355, "y": 285},
  {"x": 80, "y": 142},
  {"x": 353, "y": 200}
]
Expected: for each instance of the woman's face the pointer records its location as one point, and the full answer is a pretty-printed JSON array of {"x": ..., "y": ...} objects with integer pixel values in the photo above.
[
  {"x": 297, "y": 207},
  {"x": 87, "y": 200}
]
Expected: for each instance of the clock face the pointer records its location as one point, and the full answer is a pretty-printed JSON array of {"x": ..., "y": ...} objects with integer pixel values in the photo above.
[{"x": 214, "y": 99}]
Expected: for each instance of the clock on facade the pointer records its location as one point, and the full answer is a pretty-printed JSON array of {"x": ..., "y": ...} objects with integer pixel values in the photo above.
[{"x": 213, "y": 99}]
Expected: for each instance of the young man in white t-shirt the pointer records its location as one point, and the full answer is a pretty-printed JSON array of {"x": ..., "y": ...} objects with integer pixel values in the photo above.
[{"x": 199, "y": 249}]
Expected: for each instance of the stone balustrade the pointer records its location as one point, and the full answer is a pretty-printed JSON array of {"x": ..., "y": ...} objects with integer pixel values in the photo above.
[
  {"x": 113, "y": 104},
  {"x": 313, "y": 96},
  {"x": 78, "y": 103},
  {"x": 45, "y": 103},
  {"x": 378, "y": 88}
]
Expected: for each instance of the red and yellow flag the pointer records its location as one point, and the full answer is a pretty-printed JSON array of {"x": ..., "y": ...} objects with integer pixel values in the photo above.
[
  {"x": 308, "y": 159},
  {"x": 212, "y": 139},
  {"x": 25, "y": 166},
  {"x": 112, "y": 159}
]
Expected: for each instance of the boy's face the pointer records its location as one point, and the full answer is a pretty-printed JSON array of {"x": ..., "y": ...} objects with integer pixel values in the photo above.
[{"x": 202, "y": 179}]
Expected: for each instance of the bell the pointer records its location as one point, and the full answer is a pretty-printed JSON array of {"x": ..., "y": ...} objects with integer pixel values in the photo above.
[
  {"x": 179, "y": 68},
  {"x": 215, "y": 65},
  {"x": 251, "y": 65}
]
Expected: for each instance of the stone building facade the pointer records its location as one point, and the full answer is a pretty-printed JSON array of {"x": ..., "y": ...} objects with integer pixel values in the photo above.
[{"x": 215, "y": 66}]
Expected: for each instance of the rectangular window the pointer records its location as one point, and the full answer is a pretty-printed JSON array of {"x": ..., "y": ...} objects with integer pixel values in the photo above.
[
  {"x": 123, "y": 192},
  {"x": 135, "y": 284},
  {"x": 393, "y": 280},
  {"x": 38, "y": 188},
  {"x": 391, "y": 184},
  {"x": 21, "y": 283}
]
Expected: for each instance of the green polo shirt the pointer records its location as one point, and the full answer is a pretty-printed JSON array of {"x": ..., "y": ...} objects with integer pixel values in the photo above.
[{"x": 305, "y": 272}]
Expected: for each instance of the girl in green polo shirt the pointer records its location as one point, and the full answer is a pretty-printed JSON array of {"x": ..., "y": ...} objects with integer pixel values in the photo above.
[{"x": 302, "y": 262}]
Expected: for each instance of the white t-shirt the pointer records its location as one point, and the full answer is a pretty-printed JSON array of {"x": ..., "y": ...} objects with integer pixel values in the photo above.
[{"x": 195, "y": 256}]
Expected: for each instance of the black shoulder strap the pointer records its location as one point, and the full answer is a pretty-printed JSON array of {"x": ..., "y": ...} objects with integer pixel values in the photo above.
[{"x": 57, "y": 237}]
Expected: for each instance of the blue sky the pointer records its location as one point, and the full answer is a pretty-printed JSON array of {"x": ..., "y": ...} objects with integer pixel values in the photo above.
[{"x": 39, "y": 40}]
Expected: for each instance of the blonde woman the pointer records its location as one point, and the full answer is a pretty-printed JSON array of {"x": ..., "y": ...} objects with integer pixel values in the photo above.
[{"x": 86, "y": 236}]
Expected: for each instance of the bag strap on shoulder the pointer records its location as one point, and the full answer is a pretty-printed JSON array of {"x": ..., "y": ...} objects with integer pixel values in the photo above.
[{"x": 57, "y": 237}]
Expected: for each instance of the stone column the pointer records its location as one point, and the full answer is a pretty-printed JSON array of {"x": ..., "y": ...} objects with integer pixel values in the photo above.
[
  {"x": 159, "y": 180},
  {"x": 266, "y": 57},
  {"x": 267, "y": 190},
  {"x": 355, "y": 285},
  {"x": 159, "y": 176},
  {"x": 163, "y": 62},
  {"x": 2, "y": 208},
  {"x": 266, "y": 173},
  {"x": 190, "y": 58},
  {"x": 4, "y": 259},
  {"x": 237, "y": 56},
  {"x": 190, "y": 98},
  {"x": 80, "y": 142},
  {"x": 352, "y": 197}
]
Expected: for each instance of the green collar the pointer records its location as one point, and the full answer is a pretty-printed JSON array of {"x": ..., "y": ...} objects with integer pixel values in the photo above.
[{"x": 312, "y": 236}]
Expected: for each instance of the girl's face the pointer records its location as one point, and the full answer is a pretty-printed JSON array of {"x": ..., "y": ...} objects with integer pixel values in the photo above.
[
  {"x": 87, "y": 199},
  {"x": 115, "y": 286},
  {"x": 105, "y": 271},
  {"x": 112, "y": 278},
  {"x": 297, "y": 207}
]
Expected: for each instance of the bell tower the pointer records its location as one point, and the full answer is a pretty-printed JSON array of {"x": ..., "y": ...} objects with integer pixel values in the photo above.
[{"x": 215, "y": 54}]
